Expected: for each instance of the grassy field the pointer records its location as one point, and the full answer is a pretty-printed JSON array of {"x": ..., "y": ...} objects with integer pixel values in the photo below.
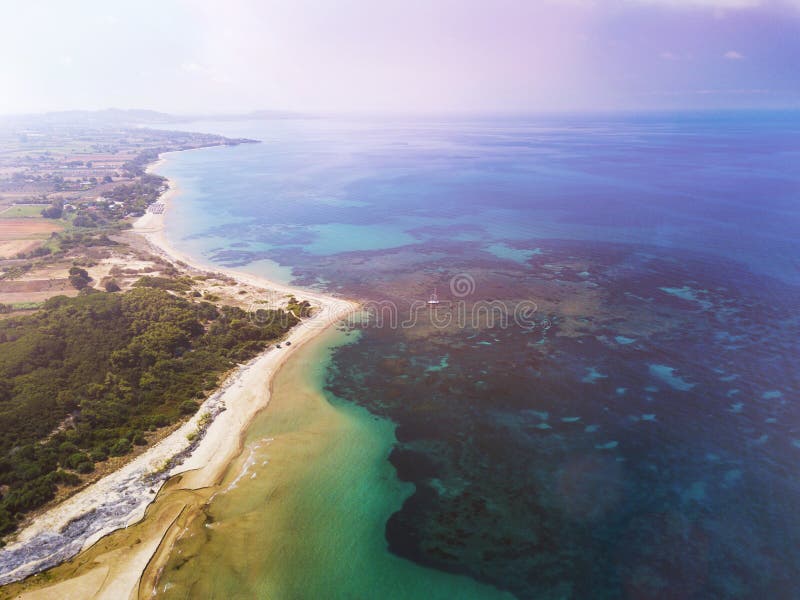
[
  {"x": 18, "y": 211},
  {"x": 26, "y": 305}
]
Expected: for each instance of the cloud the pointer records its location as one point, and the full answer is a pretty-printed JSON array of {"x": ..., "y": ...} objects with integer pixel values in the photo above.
[
  {"x": 669, "y": 55},
  {"x": 733, "y": 55}
]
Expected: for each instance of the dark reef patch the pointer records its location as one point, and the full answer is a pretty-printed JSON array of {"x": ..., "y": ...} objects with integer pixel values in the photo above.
[{"x": 638, "y": 445}]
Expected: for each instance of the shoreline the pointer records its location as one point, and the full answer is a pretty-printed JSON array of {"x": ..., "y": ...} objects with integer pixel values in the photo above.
[{"x": 122, "y": 498}]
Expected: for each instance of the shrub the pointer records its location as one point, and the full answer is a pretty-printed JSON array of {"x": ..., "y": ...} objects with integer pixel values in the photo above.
[
  {"x": 160, "y": 420},
  {"x": 79, "y": 278},
  {"x": 181, "y": 284},
  {"x": 75, "y": 459},
  {"x": 67, "y": 448},
  {"x": 78, "y": 271},
  {"x": 188, "y": 407},
  {"x": 98, "y": 455},
  {"x": 120, "y": 447},
  {"x": 64, "y": 477},
  {"x": 54, "y": 211}
]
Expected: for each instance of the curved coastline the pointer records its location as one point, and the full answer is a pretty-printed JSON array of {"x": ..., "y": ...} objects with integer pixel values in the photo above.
[{"x": 122, "y": 499}]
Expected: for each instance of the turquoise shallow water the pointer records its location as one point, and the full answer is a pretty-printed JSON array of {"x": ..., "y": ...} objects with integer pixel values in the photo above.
[
  {"x": 637, "y": 438},
  {"x": 301, "y": 514}
]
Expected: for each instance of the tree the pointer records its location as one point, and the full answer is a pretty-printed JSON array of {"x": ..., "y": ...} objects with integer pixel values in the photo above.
[
  {"x": 84, "y": 377},
  {"x": 79, "y": 278},
  {"x": 54, "y": 211}
]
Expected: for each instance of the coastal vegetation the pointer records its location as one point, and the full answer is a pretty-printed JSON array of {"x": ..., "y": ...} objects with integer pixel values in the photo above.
[
  {"x": 61, "y": 176},
  {"x": 300, "y": 309},
  {"x": 91, "y": 377},
  {"x": 131, "y": 198}
]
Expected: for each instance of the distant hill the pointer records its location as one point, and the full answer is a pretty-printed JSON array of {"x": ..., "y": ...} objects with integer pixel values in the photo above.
[
  {"x": 91, "y": 118},
  {"x": 116, "y": 117}
]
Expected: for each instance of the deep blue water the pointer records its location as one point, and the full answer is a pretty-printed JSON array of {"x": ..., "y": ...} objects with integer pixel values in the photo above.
[
  {"x": 723, "y": 186},
  {"x": 637, "y": 437}
]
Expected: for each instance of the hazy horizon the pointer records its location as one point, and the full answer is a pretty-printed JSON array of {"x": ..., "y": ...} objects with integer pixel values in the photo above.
[{"x": 396, "y": 57}]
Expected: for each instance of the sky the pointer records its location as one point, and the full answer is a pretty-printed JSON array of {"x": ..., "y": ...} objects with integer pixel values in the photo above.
[{"x": 430, "y": 56}]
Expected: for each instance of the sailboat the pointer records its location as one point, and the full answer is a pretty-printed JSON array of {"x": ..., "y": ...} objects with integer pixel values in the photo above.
[{"x": 434, "y": 299}]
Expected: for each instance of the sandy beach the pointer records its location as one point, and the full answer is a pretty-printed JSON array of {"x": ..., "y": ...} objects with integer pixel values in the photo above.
[{"x": 194, "y": 457}]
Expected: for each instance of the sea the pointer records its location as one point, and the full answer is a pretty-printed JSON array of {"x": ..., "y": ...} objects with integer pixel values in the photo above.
[{"x": 575, "y": 374}]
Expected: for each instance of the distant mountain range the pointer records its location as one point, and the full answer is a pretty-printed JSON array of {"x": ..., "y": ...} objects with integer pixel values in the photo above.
[{"x": 133, "y": 117}]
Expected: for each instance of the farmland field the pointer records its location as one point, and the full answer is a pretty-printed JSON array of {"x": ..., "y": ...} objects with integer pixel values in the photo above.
[
  {"x": 24, "y": 234},
  {"x": 18, "y": 211}
]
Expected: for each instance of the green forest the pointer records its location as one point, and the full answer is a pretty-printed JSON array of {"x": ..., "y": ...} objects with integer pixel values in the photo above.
[{"x": 84, "y": 378}]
